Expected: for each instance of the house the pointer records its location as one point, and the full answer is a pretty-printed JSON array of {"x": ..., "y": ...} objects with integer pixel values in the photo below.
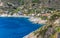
[{"x": 46, "y": 15}]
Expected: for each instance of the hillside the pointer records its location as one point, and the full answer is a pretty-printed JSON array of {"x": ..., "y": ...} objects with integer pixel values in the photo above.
[
  {"x": 46, "y": 3},
  {"x": 50, "y": 30}
]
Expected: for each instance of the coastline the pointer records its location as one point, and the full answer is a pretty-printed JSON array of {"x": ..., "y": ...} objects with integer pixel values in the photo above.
[
  {"x": 14, "y": 16},
  {"x": 32, "y": 19}
]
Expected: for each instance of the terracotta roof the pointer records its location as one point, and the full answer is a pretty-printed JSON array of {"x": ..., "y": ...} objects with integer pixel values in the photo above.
[{"x": 47, "y": 14}]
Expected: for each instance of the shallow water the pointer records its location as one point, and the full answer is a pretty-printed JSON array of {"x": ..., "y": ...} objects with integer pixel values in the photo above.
[{"x": 16, "y": 27}]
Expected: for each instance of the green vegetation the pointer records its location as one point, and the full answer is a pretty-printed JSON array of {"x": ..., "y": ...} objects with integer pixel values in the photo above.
[
  {"x": 57, "y": 29},
  {"x": 50, "y": 24}
]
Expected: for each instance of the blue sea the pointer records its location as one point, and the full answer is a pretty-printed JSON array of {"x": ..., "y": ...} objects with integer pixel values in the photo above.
[{"x": 16, "y": 27}]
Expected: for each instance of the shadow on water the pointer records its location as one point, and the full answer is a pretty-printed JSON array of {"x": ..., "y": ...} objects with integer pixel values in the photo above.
[{"x": 16, "y": 27}]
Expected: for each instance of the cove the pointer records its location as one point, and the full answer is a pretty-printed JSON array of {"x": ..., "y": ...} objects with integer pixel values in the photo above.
[{"x": 16, "y": 27}]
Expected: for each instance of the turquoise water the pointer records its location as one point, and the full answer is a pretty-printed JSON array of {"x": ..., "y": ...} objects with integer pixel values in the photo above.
[{"x": 16, "y": 27}]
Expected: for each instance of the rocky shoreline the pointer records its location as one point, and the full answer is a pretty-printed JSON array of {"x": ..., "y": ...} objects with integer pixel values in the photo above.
[
  {"x": 31, "y": 35},
  {"x": 37, "y": 20},
  {"x": 5, "y": 15}
]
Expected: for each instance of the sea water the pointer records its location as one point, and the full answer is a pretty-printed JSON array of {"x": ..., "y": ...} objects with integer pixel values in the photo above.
[{"x": 16, "y": 27}]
